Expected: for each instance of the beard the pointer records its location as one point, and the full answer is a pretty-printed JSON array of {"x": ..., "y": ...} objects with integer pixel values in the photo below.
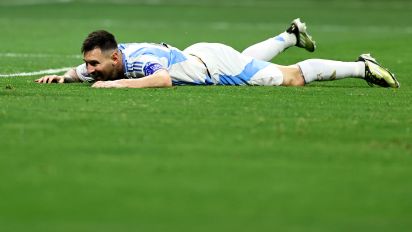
[
  {"x": 116, "y": 75},
  {"x": 98, "y": 76},
  {"x": 104, "y": 76}
]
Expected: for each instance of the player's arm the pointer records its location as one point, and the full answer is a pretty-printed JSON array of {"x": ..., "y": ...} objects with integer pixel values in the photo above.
[
  {"x": 68, "y": 77},
  {"x": 78, "y": 74},
  {"x": 159, "y": 79}
]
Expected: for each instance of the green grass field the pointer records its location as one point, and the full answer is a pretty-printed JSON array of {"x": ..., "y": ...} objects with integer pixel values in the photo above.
[{"x": 331, "y": 156}]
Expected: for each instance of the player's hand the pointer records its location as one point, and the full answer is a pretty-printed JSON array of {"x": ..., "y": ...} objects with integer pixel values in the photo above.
[
  {"x": 51, "y": 79},
  {"x": 107, "y": 84}
]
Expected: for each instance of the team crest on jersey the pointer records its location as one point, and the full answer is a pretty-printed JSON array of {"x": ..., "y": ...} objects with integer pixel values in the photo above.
[{"x": 151, "y": 68}]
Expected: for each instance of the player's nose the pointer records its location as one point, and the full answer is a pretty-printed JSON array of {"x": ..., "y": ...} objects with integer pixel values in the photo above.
[{"x": 90, "y": 69}]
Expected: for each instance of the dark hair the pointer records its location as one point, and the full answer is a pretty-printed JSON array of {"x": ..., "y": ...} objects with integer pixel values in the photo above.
[{"x": 99, "y": 39}]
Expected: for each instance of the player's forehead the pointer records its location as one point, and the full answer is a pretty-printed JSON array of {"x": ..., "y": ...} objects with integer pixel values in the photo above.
[
  {"x": 97, "y": 55},
  {"x": 94, "y": 54}
]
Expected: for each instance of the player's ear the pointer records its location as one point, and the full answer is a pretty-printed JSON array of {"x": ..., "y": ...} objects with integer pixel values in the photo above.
[{"x": 115, "y": 55}]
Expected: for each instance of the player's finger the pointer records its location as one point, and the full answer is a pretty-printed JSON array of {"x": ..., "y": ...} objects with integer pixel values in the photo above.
[
  {"x": 40, "y": 80},
  {"x": 45, "y": 79},
  {"x": 51, "y": 79},
  {"x": 60, "y": 80}
]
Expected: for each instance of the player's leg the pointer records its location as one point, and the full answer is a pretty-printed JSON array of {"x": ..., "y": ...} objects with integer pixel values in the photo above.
[
  {"x": 326, "y": 70},
  {"x": 320, "y": 70},
  {"x": 295, "y": 35}
]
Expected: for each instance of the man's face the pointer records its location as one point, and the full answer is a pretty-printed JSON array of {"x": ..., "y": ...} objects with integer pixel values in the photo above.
[{"x": 101, "y": 65}]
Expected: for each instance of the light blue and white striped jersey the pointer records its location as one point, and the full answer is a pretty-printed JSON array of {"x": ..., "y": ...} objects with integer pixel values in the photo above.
[{"x": 143, "y": 59}]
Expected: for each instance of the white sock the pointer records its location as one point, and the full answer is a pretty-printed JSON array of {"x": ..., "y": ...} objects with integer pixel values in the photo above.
[
  {"x": 320, "y": 70},
  {"x": 268, "y": 49}
]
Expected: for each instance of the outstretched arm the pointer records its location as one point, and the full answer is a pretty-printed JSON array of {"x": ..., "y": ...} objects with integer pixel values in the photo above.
[
  {"x": 159, "y": 79},
  {"x": 69, "y": 76}
]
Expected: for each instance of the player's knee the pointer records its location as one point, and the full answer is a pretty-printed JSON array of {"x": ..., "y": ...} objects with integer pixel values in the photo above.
[
  {"x": 297, "y": 80},
  {"x": 292, "y": 76}
]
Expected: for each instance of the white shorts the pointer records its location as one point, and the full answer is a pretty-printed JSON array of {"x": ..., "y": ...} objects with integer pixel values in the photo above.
[{"x": 229, "y": 67}]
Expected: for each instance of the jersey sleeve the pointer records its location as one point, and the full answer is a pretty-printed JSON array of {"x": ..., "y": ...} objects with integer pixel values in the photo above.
[
  {"x": 146, "y": 65},
  {"x": 81, "y": 72}
]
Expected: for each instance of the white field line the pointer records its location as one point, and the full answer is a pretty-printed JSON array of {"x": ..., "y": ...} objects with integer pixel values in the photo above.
[
  {"x": 37, "y": 55},
  {"x": 35, "y": 73},
  {"x": 31, "y": 2}
]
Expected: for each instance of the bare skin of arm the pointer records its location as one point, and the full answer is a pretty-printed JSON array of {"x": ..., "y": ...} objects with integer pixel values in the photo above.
[
  {"x": 68, "y": 77},
  {"x": 157, "y": 80}
]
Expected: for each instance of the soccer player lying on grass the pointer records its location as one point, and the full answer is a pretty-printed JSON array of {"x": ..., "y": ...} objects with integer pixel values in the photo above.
[{"x": 140, "y": 65}]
